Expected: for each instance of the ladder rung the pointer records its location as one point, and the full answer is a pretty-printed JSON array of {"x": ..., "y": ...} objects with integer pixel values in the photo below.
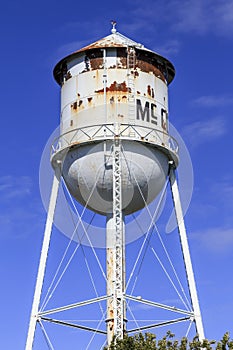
[{"x": 131, "y": 60}]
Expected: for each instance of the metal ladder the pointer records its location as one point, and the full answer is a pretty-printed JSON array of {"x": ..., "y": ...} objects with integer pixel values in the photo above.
[
  {"x": 119, "y": 258},
  {"x": 131, "y": 61}
]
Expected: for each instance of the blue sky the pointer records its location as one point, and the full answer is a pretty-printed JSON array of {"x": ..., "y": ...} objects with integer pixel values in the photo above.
[{"x": 197, "y": 37}]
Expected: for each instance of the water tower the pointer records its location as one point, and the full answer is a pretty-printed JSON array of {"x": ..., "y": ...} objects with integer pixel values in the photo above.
[{"x": 114, "y": 154}]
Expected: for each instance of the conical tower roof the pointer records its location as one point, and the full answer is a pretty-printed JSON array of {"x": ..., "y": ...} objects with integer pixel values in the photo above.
[
  {"x": 113, "y": 40},
  {"x": 116, "y": 40}
]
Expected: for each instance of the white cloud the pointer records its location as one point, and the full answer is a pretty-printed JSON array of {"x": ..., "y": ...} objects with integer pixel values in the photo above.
[
  {"x": 190, "y": 16},
  {"x": 223, "y": 191},
  {"x": 20, "y": 221},
  {"x": 169, "y": 48},
  {"x": 205, "y": 130},
  {"x": 20, "y": 213},
  {"x": 71, "y": 47},
  {"x": 90, "y": 32},
  {"x": 217, "y": 239},
  {"x": 15, "y": 187},
  {"x": 196, "y": 16},
  {"x": 202, "y": 17},
  {"x": 213, "y": 101}
]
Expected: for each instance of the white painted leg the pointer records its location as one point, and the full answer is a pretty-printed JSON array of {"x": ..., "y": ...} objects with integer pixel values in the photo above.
[
  {"x": 43, "y": 259},
  {"x": 186, "y": 254}
]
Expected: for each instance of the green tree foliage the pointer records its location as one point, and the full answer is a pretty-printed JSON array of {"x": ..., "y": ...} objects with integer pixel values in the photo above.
[{"x": 148, "y": 341}]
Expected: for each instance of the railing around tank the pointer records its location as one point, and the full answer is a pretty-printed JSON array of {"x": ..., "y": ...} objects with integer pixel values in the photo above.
[{"x": 108, "y": 131}]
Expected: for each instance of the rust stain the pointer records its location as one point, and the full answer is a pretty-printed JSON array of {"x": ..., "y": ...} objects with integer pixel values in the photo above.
[
  {"x": 123, "y": 62},
  {"x": 148, "y": 67},
  {"x": 74, "y": 105},
  {"x": 80, "y": 103},
  {"x": 122, "y": 87},
  {"x": 150, "y": 91},
  {"x": 89, "y": 99},
  {"x": 100, "y": 44},
  {"x": 138, "y": 92},
  {"x": 96, "y": 63}
]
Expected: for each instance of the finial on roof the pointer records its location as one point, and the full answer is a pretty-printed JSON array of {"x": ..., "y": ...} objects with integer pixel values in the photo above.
[{"x": 113, "y": 27}]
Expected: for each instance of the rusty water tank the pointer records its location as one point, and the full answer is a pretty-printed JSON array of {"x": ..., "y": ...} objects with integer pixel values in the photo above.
[{"x": 114, "y": 88}]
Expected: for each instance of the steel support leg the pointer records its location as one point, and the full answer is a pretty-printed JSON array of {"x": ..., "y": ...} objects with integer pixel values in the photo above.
[
  {"x": 43, "y": 260},
  {"x": 186, "y": 254},
  {"x": 116, "y": 254}
]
